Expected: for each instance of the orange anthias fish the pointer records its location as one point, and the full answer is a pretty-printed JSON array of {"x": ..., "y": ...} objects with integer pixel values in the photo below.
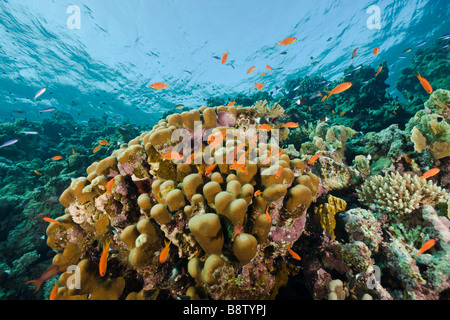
[
  {"x": 225, "y": 57},
  {"x": 73, "y": 152},
  {"x": 236, "y": 166},
  {"x": 294, "y": 254},
  {"x": 278, "y": 174},
  {"x": 426, "y": 246},
  {"x": 314, "y": 158},
  {"x": 342, "y": 113},
  {"x": 264, "y": 127},
  {"x": 250, "y": 69},
  {"x": 268, "y": 67},
  {"x": 172, "y": 156},
  {"x": 48, "y": 274},
  {"x": 164, "y": 252},
  {"x": 103, "y": 143},
  {"x": 354, "y": 52},
  {"x": 378, "y": 71},
  {"x": 430, "y": 173},
  {"x": 104, "y": 259},
  {"x": 290, "y": 125},
  {"x": 237, "y": 230},
  {"x": 159, "y": 85},
  {"x": 54, "y": 291},
  {"x": 338, "y": 89},
  {"x": 408, "y": 159},
  {"x": 210, "y": 168},
  {"x": 425, "y": 84},
  {"x": 376, "y": 50},
  {"x": 260, "y": 86},
  {"x": 50, "y": 220},
  {"x": 263, "y": 74},
  {"x": 37, "y": 172},
  {"x": 96, "y": 149},
  {"x": 287, "y": 41},
  {"x": 257, "y": 193},
  {"x": 109, "y": 185},
  {"x": 231, "y": 103},
  {"x": 268, "y": 215},
  {"x": 56, "y": 158}
]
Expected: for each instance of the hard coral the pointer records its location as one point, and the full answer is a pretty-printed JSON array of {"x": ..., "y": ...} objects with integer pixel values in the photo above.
[
  {"x": 397, "y": 195},
  {"x": 214, "y": 225}
]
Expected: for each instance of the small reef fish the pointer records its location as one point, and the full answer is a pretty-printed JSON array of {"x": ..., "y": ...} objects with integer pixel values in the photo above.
[
  {"x": 378, "y": 71},
  {"x": 54, "y": 291},
  {"x": 96, "y": 149},
  {"x": 225, "y": 57},
  {"x": 47, "y": 110},
  {"x": 294, "y": 254},
  {"x": 268, "y": 215},
  {"x": 314, "y": 158},
  {"x": 250, "y": 69},
  {"x": 425, "y": 84},
  {"x": 421, "y": 44},
  {"x": 264, "y": 127},
  {"x": 354, "y": 53},
  {"x": 210, "y": 168},
  {"x": 50, "y": 220},
  {"x": 104, "y": 259},
  {"x": 287, "y": 41},
  {"x": 237, "y": 230},
  {"x": 29, "y": 132},
  {"x": 401, "y": 57},
  {"x": 426, "y": 246},
  {"x": 290, "y": 125},
  {"x": 164, "y": 252},
  {"x": 109, "y": 185},
  {"x": 257, "y": 193},
  {"x": 407, "y": 50},
  {"x": 48, "y": 274},
  {"x": 9, "y": 143},
  {"x": 278, "y": 174},
  {"x": 268, "y": 67},
  {"x": 338, "y": 89},
  {"x": 40, "y": 93},
  {"x": 158, "y": 85},
  {"x": 37, "y": 172},
  {"x": 260, "y": 86},
  {"x": 73, "y": 152},
  {"x": 172, "y": 156},
  {"x": 408, "y": 159},
  {"x": 445, "y": 36},
  {"x": 56, "y": 158},
  {"x": 179, "y": 107},
  {"x": 231, "y": 103},
  {"x": 375, "y": 50},
  {"x": 430, "y": 173},
  {"x": 263, "y": 74},
  {"x": 103, "y": 143}
]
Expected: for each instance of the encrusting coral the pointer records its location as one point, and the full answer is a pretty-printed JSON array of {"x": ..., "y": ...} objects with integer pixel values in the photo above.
[{"x": 223, "y": 223}]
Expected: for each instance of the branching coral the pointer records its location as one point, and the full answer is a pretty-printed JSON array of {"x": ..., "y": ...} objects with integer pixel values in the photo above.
[
  {"x": 397, "y": 195},
  {"x": 273, "y": 111}
]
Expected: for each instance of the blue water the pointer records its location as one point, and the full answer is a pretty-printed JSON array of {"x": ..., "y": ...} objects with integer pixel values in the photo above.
[{"x": 107, "y": 65}]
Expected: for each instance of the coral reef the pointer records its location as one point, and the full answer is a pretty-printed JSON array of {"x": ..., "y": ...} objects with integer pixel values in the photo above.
[{"x": 219, "y": 230}]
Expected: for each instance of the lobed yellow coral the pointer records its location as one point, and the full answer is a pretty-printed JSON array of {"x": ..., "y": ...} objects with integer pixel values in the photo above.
[{"x": 324, "y": 214}]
